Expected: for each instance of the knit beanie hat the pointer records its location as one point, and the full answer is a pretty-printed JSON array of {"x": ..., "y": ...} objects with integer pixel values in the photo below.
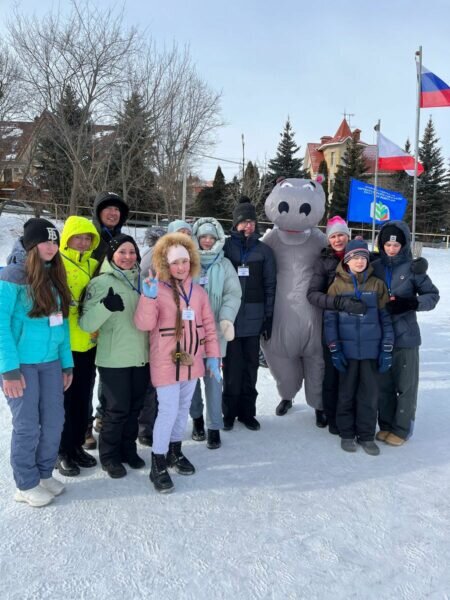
[
  {"x": 207, "y": 229},
  {"x": 391, "y": 233},
  {"x": 244, "y": 211},
  {"x": 36, "y": 231},
  {"x": 337, "y": 225},
  {"x": 177, "y": 225},
  {"x": 117, "y": 241},
  {"x": 356, "y": 248}
]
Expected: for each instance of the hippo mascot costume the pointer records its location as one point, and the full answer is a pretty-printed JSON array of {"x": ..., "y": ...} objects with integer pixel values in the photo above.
[{"x": 294, "y": 352}]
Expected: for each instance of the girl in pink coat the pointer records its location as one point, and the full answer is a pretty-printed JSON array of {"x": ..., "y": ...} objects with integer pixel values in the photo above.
[{"x": 177, "y": 313}]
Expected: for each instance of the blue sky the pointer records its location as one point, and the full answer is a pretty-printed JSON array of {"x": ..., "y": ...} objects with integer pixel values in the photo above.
[{"x": 308, "y": 60}]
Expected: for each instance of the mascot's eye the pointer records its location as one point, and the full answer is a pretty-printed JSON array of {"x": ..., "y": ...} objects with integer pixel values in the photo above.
[
  {"x": 310, "y": 186},
  {"x": 286, "y": 184},
  {"x": 305, "y": 209}
]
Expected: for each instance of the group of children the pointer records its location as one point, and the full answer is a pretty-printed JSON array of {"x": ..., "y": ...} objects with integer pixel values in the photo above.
[{"x": 63, "y": 315}]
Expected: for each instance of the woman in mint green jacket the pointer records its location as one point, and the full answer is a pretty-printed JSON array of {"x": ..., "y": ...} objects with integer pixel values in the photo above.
[{"x": 122, "y": 352}]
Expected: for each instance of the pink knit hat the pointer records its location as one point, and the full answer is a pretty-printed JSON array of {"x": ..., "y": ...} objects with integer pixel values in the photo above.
[{"x": 337, "y": 225}]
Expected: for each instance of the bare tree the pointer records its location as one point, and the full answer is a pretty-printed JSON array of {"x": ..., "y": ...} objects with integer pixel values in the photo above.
[{"x": 10, "y": 96}]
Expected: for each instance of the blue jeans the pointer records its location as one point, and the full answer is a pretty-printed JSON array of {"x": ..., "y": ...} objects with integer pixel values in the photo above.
[
  {"x": 213, "y": 393},
  {"x": 37, "y": 419}
]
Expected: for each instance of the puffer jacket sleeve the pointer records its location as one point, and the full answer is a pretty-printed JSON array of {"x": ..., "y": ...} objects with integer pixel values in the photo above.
[
  {"x": 232, "y": 293},
  {"x": 94, "y": 312},
  {"x": 331, "y": 320},
  {"x": 317, "y": 291},
  {"x": 212, "y": 348},
  {"x": 9, "y": 356},
  {"x": 269, "y": 280},
  {"x": 147, "y": 313},
  {"x": 428, "y": 294},
  {"x": 65, "y": 353},
  {"x": 387, "y": 328}
]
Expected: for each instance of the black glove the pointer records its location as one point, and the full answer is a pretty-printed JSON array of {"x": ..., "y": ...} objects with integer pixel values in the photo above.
[
  {"x": 419, "y": 266},
  {"x": 350, "y": 305},
  {"x": 402, "y": 305},
  {"x": 113, "y": 302},
  {"x": 266, "y": 329}
]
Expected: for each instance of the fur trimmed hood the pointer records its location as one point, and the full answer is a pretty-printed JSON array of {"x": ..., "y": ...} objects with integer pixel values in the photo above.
[{"x": 159, "y": 258}]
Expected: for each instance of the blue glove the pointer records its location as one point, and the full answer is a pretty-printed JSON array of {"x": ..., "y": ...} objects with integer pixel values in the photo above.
[
  {"x": 150, "y": 287},
  {"x": 338, "y": 358},
  {"x": 385, "y": 359},
  {"x": 212, "y": 365}
]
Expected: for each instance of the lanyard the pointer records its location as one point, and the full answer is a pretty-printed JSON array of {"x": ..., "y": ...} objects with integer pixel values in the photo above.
[
  {"x": 356, "y": 285},
  {"x": 388, "y": 277},
  {"x": 182, "y": 294},
  {"x": 137, "y": 290},
  {"x": 244, "y": 253}
]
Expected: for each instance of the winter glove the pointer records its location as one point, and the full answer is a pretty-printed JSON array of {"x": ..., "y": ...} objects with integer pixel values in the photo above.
[
  {"x": 385, "y": 359},
  {"x": 150, "y": 287},
  {"x": 266, "y": 329},
  {"x": 350, "y": 305},
  {"x": 212, "y": 365},
  {"x": 113, "y": 302},
  {"x": 337, "y": 357},
  {"x": 227, "y": 329},
  {"x": 397, "y": 306},
  {"x": 419, "y": 266}
]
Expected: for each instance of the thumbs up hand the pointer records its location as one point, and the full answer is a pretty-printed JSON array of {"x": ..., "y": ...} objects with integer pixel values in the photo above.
[{"x": 113, "y": 302}]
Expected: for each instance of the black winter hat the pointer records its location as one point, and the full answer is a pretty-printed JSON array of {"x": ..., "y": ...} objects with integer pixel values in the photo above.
[
  {"x": 243, "y": 211},
  {"x": 117, "y": 241},
  {"x": 356, "y": 248},
  {"x": 104, "y": 199},
  {"x": 36, "y": 231},
  {"x": 391, "y": 233}
]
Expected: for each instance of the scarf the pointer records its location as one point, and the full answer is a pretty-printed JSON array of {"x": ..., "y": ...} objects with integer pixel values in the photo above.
[{"x": 211, "y": 262}]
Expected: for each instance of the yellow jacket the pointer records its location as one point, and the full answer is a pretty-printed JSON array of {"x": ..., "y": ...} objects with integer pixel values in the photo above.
[{"x": 80, "y": 268}]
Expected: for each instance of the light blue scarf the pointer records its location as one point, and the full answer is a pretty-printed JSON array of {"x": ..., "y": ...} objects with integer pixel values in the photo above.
[{"x": 212, "y": 267}]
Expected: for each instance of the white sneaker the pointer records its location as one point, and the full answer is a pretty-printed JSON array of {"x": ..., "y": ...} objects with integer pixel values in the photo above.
[
  {"x": 54, "y": 486},
  {"x": 37, "y": 496}
]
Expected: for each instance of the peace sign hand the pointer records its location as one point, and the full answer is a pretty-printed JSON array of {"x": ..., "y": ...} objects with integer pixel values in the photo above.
[{"x": 150, "y": 286}]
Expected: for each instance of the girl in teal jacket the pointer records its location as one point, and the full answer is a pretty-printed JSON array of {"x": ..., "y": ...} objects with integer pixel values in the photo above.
[{"x": 35, "y": 359}]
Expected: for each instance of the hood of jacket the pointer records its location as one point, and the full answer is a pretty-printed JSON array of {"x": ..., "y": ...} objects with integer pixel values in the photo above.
[
  {"x": 159, "y": 258},
  {"x": 78, "y": 226},
  {"x": 18, "y": 254},
  {"x": 405, "y": 252},
  {"x": 101, "y": 202},
  {"x": 218, "y": 246}
]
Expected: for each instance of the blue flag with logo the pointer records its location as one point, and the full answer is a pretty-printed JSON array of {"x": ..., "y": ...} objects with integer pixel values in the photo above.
[{"x": 390, "y": 205}]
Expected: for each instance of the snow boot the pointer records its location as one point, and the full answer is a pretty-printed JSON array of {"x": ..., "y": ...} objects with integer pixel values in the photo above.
[
  {"x": 37, "y": 496},
  {"x": 198, "y": 429},
  {"x": 382, "y": 435},
  {"x": 52, "y": 485},
  {"x": 90, "y": 443},
  {"x": 251, "y": 423},
  {"x": 394, "y": 440},
  {"x": 83, "y": 459},
  {"x": 348, "y": 444},
  {"x": 134, "y": 461},
  {"x": 146, "y": 440},
  {"x": 321, "y": 419},
  {"x": 283, "y": 407},
  {"x": 159, "y": 475},
  {"x": 228, "y": 423},
  {"x": 115, "y": 470},
  {"x": 369, "y": 447},
  {"x": 176, "y": 460},
  {"x": 67, "y": 466},
  {"x": 213, "y": 439}
]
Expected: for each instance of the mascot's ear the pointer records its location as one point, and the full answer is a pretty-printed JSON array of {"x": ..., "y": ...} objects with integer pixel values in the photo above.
[{"x": 320, "y": 178}]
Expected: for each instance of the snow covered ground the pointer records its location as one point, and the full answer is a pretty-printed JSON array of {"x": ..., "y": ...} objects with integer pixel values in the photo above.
[{"x": 280, "y": 513}]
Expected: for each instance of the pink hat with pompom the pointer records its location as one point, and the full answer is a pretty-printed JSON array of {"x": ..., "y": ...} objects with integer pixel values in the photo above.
[{"x": 337, "y": 225}]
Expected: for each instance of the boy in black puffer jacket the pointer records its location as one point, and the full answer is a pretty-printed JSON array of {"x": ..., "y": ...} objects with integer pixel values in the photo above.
[{"x": 360, "y": 346}]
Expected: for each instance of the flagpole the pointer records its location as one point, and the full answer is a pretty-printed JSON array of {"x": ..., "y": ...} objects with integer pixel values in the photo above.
[
  {"x": 416, "y": 152},
  {"x": 377, "y": 129}
]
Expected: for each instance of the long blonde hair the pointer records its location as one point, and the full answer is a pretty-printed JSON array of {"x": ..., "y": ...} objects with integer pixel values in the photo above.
[{"x": 44, "y": 280}]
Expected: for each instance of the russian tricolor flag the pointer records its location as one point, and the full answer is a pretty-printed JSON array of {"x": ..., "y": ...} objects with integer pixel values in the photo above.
[
  {"x": 433, "y": 91},
  {"x": 392, "y": 158}
]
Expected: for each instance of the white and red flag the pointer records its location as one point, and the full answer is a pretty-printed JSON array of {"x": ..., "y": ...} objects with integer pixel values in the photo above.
[{"x": 392, "y": 158}]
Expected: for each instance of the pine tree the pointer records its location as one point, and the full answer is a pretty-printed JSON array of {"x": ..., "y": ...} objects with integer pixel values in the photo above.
[
  {"x": 352, "y": 166},
  {"x": 431, "y": 209},
  {"x": 284, "y": 164},
  {"x": 211, "y": 201}
]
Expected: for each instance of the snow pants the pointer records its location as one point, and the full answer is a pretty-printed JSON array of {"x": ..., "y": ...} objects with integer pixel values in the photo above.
[
  {"x": 123, "y": 390},
  {"x": 213, "y": 395},
  {"x": 397, "y": 401},
  {"x": 289, "y": 374},
  {"x": 330, "y": 387},
  {"x": 37, "y": 420},
  {"x": 173, "y": 409},
  {"x": 77, "y": 400},
  {"x": 240, "y": 373},
  {"x": 149, "y": 412},
  {"x": 356, "y": 413}
]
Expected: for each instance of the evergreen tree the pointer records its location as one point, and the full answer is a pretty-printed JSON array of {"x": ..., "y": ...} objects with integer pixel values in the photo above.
[
  {"x": 211, "y": 201},
  {"x": 431, "y": 210},
  {"x": 130, "y": 173},
  {"x": 285, "y": 164},
  {"x": 352, "y": 166},
  {"x": 53, "y": 152}
]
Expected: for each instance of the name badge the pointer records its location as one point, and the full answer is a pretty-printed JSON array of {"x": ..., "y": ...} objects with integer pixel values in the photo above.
[
  {"x": 243, "y": 271},
  {"x": 203, "y": 280},
  {"x": 56, "y": 319},
  {"x": 188, "y": 314}
]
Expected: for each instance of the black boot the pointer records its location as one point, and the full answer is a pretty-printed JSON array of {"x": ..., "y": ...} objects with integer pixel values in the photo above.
[
  {"x": 177, "y": 460},
  {"x": 159, "y": 475},
  {"x": 83, "y": 459},
  {"x": 283, "y": 407},
  {"x": 146, "y": 440},
  {"x": 134, "y": 461},
  {"x": 213, "y": 439},
  {"x": 321, "y": 419},
  {"x": 198, "y": 429},
  {"x": 115, "y": 470},
  {"x": 67, "y": 466}
]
